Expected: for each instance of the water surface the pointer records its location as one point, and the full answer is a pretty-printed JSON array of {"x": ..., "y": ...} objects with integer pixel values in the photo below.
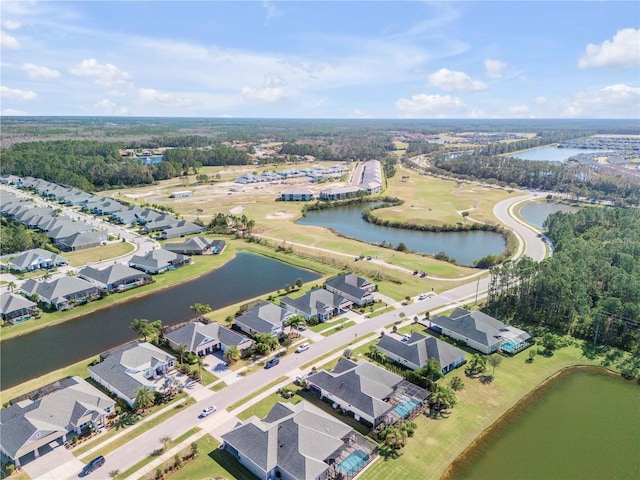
[
  {"x": 552, "y": 154},
  {"x": 584, "y": 424},
  {"x": 465, "y": 247},
  {"x": 244, "y": 277},
  {"x": 536, "y": 213}
]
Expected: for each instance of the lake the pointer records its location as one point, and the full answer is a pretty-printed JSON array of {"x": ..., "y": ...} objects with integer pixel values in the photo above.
[
  {"x": 583, "y": 424},
  {"x": 246, "y": 276},
  {"x": 535, "y": 213},
  {"x": 552, "y": 154},
  {"x": 465, "y": 247}
]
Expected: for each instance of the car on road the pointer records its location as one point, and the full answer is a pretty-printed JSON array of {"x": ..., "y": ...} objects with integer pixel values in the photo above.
[
  {"x": 92, "y": 465},
  {"x": 302, "y": 347},
  {"x": 272, "y": 363},
  {"x": 207, "y": 411},
  {"x": 423, "y": 296}
]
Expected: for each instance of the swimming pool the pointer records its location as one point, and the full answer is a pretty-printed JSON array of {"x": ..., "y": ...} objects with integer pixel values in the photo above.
[
  {"x": 508, "y": 347},
  {"x": 354, "y": 462},
  {"x": 405, "y": 406}
]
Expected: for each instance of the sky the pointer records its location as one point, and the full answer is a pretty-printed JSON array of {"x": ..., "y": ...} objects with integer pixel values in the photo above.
[{"x": 329, "y": 59}]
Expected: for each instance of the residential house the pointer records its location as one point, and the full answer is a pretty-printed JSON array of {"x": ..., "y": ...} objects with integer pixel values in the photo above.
[
  {"x": 125, "y": 369},
  {"x": 319, "y": 303},
  {"x": 298, "y": 442},
  {"x": 480, "y": 331},
  {"x": 338, "y": 193},
  {"x": 62, "y": 293},
  {"x": 148, "y": 215},
  {"x": 354, "y": 288},
  {"x": 181, "y": 229},
  {"x": 266, "y": 317},
  {"x": 370, "y": 392},
  {"x": 36, "y": 259},
  {"x": 81, "y": 240},
  {"x": 116, "y": 277},
  {"x": 415, "y": 351},
  {"x": 203, "y": 339},
  {"x": 15, "y": 308},
  {"x": 161, "y": 222},
  {"x": 158, "y": 261},
  {"x": 296, "y": 195},
  {"x": 29, "y": 427},
  {"x": 197, "y": 246},
  {"x": 127, "y": 216}
]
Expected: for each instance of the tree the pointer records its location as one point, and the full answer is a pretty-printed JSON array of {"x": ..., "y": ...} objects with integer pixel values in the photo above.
[
  {"x": 494, "y": 360},
  {"x": 347, "y": 353},
  {"x": 532, "y": 355},
  {"x": 202, "y": 178},
  {"x": 231, "y": 354},
  {"x": 144, "y": 328},
  {"x": 12, "y": 286},
  {"x": 465, "y": 214},
  {"x": 114, "y": 473},
  {"x": 181, "y": 350},
  {"x": 194, "y": 448},
  {"x": 170, "y": 386},
  {"x": 201, "y": 308},
  {"x": 477, "y": 364},
  {"x": 295, "y": 322},
  {"x": 47, "y": 275},
  {"x": 265, "y": 342},
  {"x": 374, "y": 353},
  {"x": 145, "y": 399},
  {"x": 299, "y": 282},
  {"x": 444, "y": 397},
  {"x": 456, "y": 383},
  {"x": 165, "y": 441}
]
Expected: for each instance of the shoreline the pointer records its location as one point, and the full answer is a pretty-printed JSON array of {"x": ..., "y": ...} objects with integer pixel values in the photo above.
[{"x": 497, "y": 423}]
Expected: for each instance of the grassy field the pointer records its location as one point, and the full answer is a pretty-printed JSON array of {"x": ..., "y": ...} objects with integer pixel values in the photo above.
[
  {"x": 98, "y": 254},
  {"x": 265, "y": 405},
  {"x": 437, "y": 442},
  {"x": 338, "y": 328},
  {"x": 235, "y": 405}
]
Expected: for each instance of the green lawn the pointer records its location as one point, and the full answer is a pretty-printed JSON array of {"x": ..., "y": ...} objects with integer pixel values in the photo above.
[
  {"x": 437, "y": 442},
  {"x": 212, "y": 463},
  {"x": 235, "y": 405},
  {"x": 325, "y": 325},
  {"x": 265, "y": 405},
  {"x": 97, "y": 254},
  {"x": 338, "y": 328}
]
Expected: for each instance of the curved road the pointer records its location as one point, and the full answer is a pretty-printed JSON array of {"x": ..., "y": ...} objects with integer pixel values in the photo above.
[{"x": 139, "y": 448}]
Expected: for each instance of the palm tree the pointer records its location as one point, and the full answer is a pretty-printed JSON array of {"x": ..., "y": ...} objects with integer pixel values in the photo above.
[
  {"x": 181, "y": 350},
  {"x": 47, "y": 275},
  {"x": 443, "y": 397},
  {"x": 12, "y": 286},
  {"x": 231, "y": 354},
  {"x": 266, "y": 342},
  {"x": 145, "y": 398},
  {"x": 296, "y": 322},
  {"x": 374, "y": 353}
]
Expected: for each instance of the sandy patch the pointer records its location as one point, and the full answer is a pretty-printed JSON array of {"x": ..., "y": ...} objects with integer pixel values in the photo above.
[
  {"x": 139, "y": 195},
  {"x": 279, "y": 215},
  {"x": 237, "y": 210}
]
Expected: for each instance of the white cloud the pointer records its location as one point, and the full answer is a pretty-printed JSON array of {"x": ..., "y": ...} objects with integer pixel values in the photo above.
[
  {"x": 150, "y": 95},
  {"x": 265, "y": 94},
  {"x": 15, "y": 94},
  {"x": 452, "y": 81},
  {"x": 271, "y": 9},
  {"x": 37, "y": 72},
  {"x": 613, "y": 101},
  {"x": 105, "y": 75},
  {"x": 438, "y": 105},
  {"x": 11, "y": 24},
  {"x": 7, "y": 41},
  {"x": 622, "y": 51},
  {"x": 111, "y": 108},
  {"x": 519, "y": 111},
  {"x": 10, "y": 112},
  {"x": 357, "y": 113},
  {"x": 494, "y": 68}
]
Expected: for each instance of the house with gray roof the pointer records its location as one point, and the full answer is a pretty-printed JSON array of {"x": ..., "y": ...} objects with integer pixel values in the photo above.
[
  {"x": 161, "y": 222},
  {"x": 338, "y": 193},
  {"x": 370, "y": 392},
  {"x": 116, "y": 277},
  {"x": 480, "y": 331},
  {"x": 319, "y": 303},
  {"x": 149, "y": 215},
  {"x": 64, "y": 228},
  {"x": 158, "y": 261},
  {"x": 414, "y": 352},
  {"x": 125, "y": 369},
  {"x": 30, "y": 426},
  {"x": 62, "y": 293},
  {"x": 197, "y": 246},
  {"x": 298, "y": 442},
  {"x": 36, "y": 259},
  {"x": 265, "y": 317},
  {"x": 203, "y": 339},
  {"x": 357, "y": 289},
  {"x": 15, "y": 308},
  {"x": 127, "y": 216},
  {"x": 81, "y": 240},
  {"x": 296, "y": 195},
  {"x": 181, "y": 229}
]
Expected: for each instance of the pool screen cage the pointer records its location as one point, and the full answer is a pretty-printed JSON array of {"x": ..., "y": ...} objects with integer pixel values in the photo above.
[{"x": 352, "y": 443}]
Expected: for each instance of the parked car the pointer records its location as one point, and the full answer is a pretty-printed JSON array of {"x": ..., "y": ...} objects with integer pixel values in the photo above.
[
  {"x": 423, "y": 296},
  {"x": 93, "y": 464},
  {"x": 272, "y": 363},
  {"x": 302, "y": 347},
  {"x": 207, "y": 411}
]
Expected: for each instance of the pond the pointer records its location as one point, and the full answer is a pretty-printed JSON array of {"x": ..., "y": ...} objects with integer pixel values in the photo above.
[
  {"x": 464, "y": 247},
  {"x": 583, "y": 424},
  {"x": 552, "y": 154},
  {"x": 245, "y": 276},
  {"x": 535, "y": 213}
]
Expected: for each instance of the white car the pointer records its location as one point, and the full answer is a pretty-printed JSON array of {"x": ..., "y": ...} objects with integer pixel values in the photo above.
[
  {"x": 423, "y": 296},
  {"x": 207, "y": 411},
  {"x": 302, "y": 347}
]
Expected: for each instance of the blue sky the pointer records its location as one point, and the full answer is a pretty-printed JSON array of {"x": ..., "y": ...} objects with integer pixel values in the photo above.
[{"x": 327, "y": 59}]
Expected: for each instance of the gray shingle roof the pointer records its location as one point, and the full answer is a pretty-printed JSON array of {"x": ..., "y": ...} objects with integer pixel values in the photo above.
[
  {"x": 351, "y": 284},
  {"x": 295, "y": 438},
  {"x": 263, "y": 317},
  {"x": 419, "y": 349},
  {"x": 83, "y": 239},
  {"x": 196, "y": 333},
  {"x": 67, "y": 287},
  {"x": 314, "y": 302},
  {"x": 157, "y": 259},
  {"x": 10, "y": 302},
  {"x": 113, "y": 274},
  {"x": 36, "y": 256},
  {"x": 477, "y": 326}
]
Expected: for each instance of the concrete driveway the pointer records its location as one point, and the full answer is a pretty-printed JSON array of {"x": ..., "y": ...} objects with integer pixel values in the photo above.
[{"x": 58, "y": 464}]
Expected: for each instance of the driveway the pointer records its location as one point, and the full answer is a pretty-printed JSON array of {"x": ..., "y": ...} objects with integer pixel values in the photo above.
[{"x": 57, "y": 464}]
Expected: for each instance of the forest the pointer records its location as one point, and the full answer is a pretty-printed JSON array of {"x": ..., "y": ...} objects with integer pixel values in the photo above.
[
  {"x": 18, "y": 238},
  {"x": 589, "y": 288}
]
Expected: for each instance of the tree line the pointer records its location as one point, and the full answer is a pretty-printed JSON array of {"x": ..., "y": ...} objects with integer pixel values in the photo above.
[{"x": 589, "y": 288}]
